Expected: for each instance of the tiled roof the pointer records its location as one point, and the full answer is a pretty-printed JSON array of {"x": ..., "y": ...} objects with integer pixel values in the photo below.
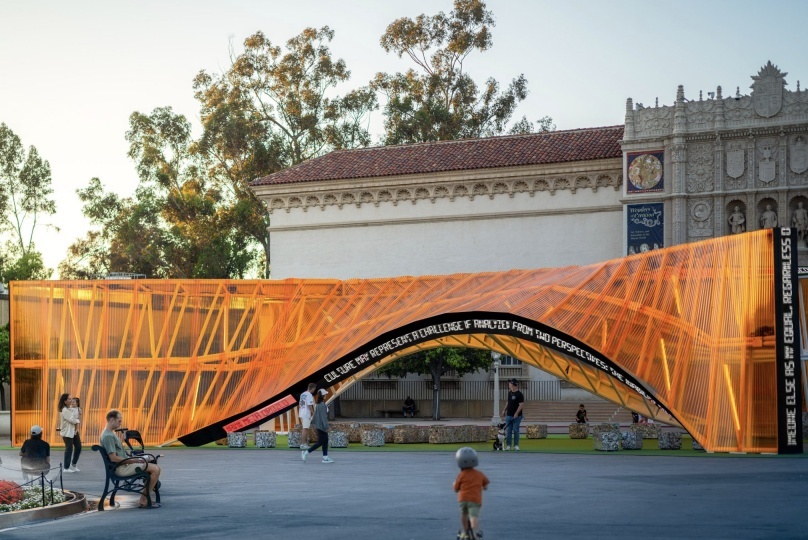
[{"x": 466, "y": 154}]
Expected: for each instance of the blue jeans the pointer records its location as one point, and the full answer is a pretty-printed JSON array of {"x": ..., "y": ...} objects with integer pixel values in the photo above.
[{"x": 512, "y": 427}]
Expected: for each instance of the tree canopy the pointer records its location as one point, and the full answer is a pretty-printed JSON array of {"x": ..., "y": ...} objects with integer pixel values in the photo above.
[
  {"x": 437, "y": 99},
  {"x": 273, "y": 109},
  {"x": 26, "y": 196},
  {"x": 193, "y": 214}
]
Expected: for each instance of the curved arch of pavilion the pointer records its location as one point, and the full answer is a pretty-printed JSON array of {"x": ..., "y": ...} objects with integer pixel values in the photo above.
[{"x": 696, "y": 335}]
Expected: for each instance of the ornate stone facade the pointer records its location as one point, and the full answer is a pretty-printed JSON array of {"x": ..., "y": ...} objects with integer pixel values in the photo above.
[{"x": 748, "y": 152}]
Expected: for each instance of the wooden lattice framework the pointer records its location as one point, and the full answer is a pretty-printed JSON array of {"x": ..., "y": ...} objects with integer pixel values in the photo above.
[{"x": 687, "y": 335}]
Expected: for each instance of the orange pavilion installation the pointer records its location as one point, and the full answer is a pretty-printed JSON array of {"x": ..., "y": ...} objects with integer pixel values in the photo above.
[{"x": 704, "y": 336}]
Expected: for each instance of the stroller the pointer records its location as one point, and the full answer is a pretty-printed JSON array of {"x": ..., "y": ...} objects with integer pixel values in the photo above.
[{"x": 500, "y": 441}]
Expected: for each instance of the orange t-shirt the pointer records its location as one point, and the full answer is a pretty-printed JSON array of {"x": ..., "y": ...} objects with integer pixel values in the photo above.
[{"x": 469, "y": 486}]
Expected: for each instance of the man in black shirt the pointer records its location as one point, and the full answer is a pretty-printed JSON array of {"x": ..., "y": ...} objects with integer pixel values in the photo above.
[
  {"x": 35, "y": 453},
  {"x": 513, "y": 414}
]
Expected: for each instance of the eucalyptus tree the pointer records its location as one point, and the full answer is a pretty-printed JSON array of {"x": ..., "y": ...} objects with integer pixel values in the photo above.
[
  {"x": 437, "y": 99},
  {"x": 26, "y": 196},
  {"x": 273, "y": 108}
]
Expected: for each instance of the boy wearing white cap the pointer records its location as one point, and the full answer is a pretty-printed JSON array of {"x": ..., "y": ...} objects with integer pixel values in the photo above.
[{"x": 35, "y": 453}]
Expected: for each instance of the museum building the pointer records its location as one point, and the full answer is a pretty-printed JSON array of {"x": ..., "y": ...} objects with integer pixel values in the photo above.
[{"x": 700, "y": 168}]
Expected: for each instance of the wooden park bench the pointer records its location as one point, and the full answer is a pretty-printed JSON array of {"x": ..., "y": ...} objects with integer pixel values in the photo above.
[{"x": 133, "y": 484}]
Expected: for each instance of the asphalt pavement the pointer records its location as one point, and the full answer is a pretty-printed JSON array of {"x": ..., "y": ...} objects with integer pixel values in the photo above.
[{"x": 217, "y": 492}]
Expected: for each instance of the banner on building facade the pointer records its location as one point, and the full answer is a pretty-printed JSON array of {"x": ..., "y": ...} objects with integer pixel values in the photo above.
[
  {"x": 787, "y": 324},
  {"x": 645, "y": 226},
  {"x": 645, "y": 171}
]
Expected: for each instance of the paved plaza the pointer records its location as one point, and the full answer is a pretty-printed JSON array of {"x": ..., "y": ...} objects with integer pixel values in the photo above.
[{"x": 219, "y": 493}]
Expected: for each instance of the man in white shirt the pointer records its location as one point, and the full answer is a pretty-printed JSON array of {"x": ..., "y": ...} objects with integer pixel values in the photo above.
[{"x": 306, "y": 412}]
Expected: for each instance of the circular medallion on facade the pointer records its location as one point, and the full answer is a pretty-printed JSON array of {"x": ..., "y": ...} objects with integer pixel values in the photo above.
[
  {"x": 645, "y": 171},
  {"x": 700, "y": 211}
]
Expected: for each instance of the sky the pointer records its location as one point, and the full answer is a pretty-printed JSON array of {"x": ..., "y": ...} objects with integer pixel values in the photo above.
[{"x": 71, "y": 73}]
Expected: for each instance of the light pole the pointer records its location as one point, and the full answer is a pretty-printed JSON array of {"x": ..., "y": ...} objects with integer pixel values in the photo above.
[{"x": 495, "y": 356}]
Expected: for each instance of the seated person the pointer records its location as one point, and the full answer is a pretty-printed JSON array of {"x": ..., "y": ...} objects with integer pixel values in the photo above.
[
  {"x": 35, "y": 453},
  {"x": 409, "y": 407},
  {"x": 580, "y": 416},
  {"x": 128, "y": 466}
]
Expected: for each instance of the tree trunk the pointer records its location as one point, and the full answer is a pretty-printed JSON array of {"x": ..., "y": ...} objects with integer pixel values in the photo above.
[{"x": 2, "y": 397}]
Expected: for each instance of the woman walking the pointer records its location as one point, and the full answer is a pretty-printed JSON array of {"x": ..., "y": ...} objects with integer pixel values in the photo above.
[
  {"x": 320, "y": 422},
  {"x": 69, "y": 420}
]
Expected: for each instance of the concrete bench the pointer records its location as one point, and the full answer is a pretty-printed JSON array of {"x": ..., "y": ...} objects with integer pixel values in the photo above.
[
  {"x": 579, "y": 431},
  {"x": 264, "y": 438},
  {"x": 536, "y": 431}
]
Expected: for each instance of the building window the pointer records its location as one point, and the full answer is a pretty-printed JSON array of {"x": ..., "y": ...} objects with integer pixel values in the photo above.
[{"x": 506, "y": 360}]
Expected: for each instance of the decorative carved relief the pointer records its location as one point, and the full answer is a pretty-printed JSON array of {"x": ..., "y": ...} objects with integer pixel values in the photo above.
[
  {"x": 798, "y": 154},
  {"x": 767, "y": 151},
  {"x": 450, "y": 191},
  {"x": 795, "y": 103},
  {"x": 656, "y": 119},
  {"x": 581, "y": 182},
  {"x": 700, "y": 168},
  {"x": 738, "y": 109},
  {"x": 767, "y": 90},
  {"x": 700, "y": 114},
  {"x": 478, "y": 190},
  {"x": 678, "y": 153},
  {"x": 459, "y": 191},
  {"x": 602, "y": 181},
  {"x": 560, "y": 183},
  {"x": 735, "y": 159},
  {"x": 699, "y": 223}
]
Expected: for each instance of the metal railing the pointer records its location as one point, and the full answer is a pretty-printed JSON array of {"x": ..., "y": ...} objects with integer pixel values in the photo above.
[{"x": 381, "y": 389}]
